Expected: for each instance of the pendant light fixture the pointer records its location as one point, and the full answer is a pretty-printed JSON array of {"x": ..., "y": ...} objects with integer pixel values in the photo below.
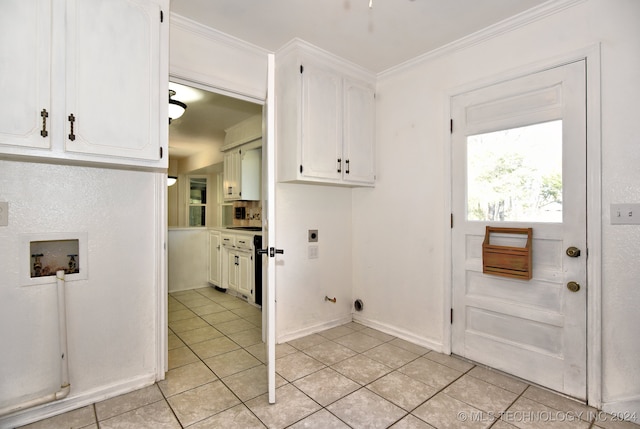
[{"x": 176, "y": 108}]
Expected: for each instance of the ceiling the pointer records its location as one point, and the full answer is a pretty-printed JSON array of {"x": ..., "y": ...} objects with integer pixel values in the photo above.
[
  {"x": 376, "y": 38},
  {"x": 203, "y": 123}
]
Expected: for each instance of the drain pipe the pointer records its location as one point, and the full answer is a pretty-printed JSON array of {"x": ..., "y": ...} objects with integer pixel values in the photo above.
[{"x": 65, "y": 387}]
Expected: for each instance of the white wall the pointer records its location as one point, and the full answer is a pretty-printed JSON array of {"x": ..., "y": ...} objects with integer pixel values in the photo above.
[
  {"x": 401, "y": 227},
  {"x": 211, "y": 58},
  {"x": 112, "y": 315},
  {"x": 303, "y": 283}
]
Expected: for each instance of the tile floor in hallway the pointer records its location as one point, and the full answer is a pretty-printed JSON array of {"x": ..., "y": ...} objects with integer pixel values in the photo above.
[{"x": 350, "y": 376}]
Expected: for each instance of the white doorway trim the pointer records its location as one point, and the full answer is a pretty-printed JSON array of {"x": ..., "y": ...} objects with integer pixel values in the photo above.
[
  {"x": 591, "y": 55},
  {"x": 162, "y": 288}
]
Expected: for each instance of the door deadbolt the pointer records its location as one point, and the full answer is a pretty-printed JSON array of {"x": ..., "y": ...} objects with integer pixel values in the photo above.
[
  {"x": 573, "y": 286},
  {"x": 573, "y": 252}
]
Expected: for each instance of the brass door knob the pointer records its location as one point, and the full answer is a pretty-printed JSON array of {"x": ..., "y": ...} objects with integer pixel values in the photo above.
[
  {"x": 573, "y": 286},
  {"x": 573, "y": 252}
]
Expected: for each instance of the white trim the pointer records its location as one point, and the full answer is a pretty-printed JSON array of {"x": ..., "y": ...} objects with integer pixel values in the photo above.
[
  {"x": 75, "y": 402},
  {"x": 512, "y": 23},
  {"x": 594, "y": 227},
  {"x": 162, "y": 322},
  {"x": 213, "y": 34},
  {"x": 591, "y": 55},
  {"x": 400, "y": 333},
  {"x": 294, "y": 335}
]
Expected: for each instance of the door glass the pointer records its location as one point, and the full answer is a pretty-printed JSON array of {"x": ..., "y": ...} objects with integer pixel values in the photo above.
[{"x": 515, "y": 175}]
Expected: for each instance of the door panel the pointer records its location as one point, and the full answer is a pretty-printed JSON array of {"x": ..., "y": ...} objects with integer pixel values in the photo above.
[{"x": 518, "y": 161}]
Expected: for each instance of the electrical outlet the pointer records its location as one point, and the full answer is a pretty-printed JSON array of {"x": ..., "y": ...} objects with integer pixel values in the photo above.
[
  {"x": 625, "y": 214},
  {"x": 4, "y": 213}
]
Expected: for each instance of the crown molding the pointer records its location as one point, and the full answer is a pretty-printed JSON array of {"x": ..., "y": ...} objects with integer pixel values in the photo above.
[
  {"x": 534, "y": 14},
  {"x": 187, "y": 24}
]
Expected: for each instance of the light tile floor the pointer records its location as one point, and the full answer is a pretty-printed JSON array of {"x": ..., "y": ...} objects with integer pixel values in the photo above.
[{"x": 350, "y": 376}]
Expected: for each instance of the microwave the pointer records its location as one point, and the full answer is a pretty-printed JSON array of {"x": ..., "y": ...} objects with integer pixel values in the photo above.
[{"x": 239, "y": 213}]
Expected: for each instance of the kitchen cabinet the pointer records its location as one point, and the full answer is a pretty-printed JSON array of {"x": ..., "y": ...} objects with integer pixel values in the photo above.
[
  {"x": 242, "y": 173},
  {"x": 87, "y": 82},
  {"x": 231, "y": 174},
  {"x": 240, "y": 263},
  {"x": 237, "y": 265},
  {"x": 325, "y": 118},
  {"x": 215, "y": 258}
]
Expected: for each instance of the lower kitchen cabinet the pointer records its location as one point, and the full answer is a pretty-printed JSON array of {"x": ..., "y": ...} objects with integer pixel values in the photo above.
[
  {"x": 215, "y": 258},
  {"x": 236, "y": 258},
  {"x": 240, "y": 270}
]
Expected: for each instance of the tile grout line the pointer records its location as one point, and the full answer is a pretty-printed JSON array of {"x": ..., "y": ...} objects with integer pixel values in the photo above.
[{"x": 208, "y": 367}]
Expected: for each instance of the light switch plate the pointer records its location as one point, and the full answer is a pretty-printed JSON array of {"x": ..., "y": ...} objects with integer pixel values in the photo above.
[
  {"x": 625, "y": 214},
  {"x": 313, "y": 252},
  {"x": 4, "y": 213}
]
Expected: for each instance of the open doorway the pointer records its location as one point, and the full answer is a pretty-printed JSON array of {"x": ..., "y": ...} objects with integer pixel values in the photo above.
[
  {"x": 212, "y": 127},
  {"x": 196, "y": 158}
]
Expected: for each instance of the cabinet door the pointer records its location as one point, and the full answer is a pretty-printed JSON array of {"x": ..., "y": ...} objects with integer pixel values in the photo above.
[
  {"x": 25, "y": 72},
  {"x": 359, "y": 133},
  {"x": 321, "y": 123},
  {"x": 244, "y": 275},
  {"x": 233, "y": 279},
  {"x": 214, "y": 259},
  {"x": 113, "y": 78},
  {"x": 231, "y": 183}
]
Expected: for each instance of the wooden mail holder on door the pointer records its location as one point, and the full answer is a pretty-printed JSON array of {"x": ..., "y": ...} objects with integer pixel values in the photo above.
[{"x": 507, "y": 261}]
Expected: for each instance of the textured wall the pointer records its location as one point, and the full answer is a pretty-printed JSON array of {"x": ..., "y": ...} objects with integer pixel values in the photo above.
[{"x": 111, "y": 313}]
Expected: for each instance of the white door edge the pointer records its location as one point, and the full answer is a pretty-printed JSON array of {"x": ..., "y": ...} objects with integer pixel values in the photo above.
[
  {"x": 271, "y": 207},
  {"x": 592, "y": 56}
]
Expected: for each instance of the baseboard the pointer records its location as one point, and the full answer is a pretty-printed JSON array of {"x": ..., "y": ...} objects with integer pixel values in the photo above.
[
  {"x": 73, "y": 402},
  {"x": 400, "y": 333},
  {"x": 623, "y": 409},
  {"x": 180, "y": 288},
  {"x": 294, "y": 335}
]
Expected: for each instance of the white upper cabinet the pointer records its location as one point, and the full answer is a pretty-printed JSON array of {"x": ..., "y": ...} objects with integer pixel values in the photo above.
[
  {"x": 359, "y": 133},
  {"x": 232, "y": 174},
  {"x": 243, "y": 160},
  {"x": 325, "y": 118},
  {"x": 25, "y": 82},
  {"x": 321, "y": 122},
  {"x": 99, "y": 69}
]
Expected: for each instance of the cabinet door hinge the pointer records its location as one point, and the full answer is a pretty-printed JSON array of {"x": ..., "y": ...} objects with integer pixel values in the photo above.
[
  {"x": 161, "y": 16},
  {"x": 451, "y": 317},
  {"x": 451, "y": 126},
  {"x": 301, "y": 68}
]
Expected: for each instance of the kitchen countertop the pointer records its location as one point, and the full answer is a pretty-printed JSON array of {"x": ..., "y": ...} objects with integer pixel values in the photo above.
[{"x": 239, "y": 230}]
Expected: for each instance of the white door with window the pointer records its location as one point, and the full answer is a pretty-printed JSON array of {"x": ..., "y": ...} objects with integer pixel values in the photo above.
[{"x": 519, "y": 161}]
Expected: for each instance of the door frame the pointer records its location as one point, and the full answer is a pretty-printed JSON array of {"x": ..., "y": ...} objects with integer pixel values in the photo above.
[
  {"x": 591, "y": 56},
  {"x": 162, "y": 354}
]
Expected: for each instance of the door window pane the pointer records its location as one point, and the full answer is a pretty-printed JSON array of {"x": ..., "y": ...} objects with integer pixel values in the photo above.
[
  {"x": 197, "y": 216},
  {"x": 197, "y": 201},
  {"x": 515, "y": 175},
  {"x": 198, "y": 192}
]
